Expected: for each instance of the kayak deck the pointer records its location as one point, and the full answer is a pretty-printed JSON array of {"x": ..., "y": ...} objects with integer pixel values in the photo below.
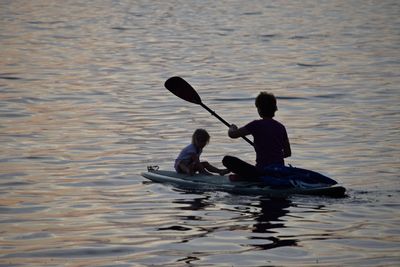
[{"x": 223, "y": 183}]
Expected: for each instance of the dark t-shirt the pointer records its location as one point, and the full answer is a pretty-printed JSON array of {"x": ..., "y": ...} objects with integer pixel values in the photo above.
[{"x": 270, "y": 137}]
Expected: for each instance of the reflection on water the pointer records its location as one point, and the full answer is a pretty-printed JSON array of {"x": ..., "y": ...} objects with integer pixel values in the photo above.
[
  {"x": 269, "y": 218},
  {"x": 264, "y": 213},
  {"x": 83, "y": 111}
]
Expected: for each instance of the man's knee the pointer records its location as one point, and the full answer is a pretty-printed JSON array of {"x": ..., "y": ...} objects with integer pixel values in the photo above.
[{"x": 228, "y": 161}]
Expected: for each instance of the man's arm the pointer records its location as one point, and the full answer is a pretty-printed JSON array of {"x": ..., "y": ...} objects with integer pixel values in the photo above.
[
  {"x": 287, "y": 152},
  {"x": 235, "y": 132}
]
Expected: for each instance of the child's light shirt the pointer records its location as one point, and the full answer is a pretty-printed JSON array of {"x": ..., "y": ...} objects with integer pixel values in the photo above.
[{"x": 186, "y": 155}]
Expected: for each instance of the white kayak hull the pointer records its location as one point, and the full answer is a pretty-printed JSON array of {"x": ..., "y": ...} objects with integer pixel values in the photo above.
[{"x": 200, "y": 182}]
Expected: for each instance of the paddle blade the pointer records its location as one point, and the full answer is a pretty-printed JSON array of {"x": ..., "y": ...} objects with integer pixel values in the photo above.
[{"x": 182, "y": 89}]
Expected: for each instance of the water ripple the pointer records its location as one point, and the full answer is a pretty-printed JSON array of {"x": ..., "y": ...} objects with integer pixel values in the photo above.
[{"x": 83, "y": 111}]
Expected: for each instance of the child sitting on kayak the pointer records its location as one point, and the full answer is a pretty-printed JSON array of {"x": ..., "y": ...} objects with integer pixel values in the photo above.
[
  {"x": 271, "y": 141},
  {"x": 188, "y": 160}
]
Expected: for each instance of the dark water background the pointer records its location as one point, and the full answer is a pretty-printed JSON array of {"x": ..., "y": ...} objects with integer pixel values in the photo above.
[{"x": 83, "y": 111}]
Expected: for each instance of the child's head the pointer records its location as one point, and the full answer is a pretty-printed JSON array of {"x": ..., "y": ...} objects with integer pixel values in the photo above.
[
  {"x": 200, "y": 138},
  {"x": 266, "y": 105}
]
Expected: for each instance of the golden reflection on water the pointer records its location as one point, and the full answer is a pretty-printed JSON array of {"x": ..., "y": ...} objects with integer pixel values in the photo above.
[{"x": 83, "y": 111}]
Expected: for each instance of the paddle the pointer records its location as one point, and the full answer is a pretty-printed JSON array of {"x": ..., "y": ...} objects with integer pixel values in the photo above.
[{"x": 185, "y": 91}]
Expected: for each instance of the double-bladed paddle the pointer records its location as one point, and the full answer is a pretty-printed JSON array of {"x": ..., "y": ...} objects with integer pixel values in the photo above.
[{"x": 185, "y": 91}]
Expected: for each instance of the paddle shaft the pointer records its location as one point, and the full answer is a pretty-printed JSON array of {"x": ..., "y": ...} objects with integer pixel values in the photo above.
[
  {"x": 223, "y": 121},
  {"x": 185, "y": 91}
]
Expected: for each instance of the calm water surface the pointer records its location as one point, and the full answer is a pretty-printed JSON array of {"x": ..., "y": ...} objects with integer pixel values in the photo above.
[{"x": 83, "y": 111}]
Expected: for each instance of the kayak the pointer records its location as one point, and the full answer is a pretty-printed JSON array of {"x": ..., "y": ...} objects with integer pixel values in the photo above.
[{"x": 292, "y": 185}]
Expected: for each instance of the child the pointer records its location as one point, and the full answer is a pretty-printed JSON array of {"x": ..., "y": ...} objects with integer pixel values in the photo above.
[
  {"x": 271, "y": 141},
  {"x": 188, "y": 160}
]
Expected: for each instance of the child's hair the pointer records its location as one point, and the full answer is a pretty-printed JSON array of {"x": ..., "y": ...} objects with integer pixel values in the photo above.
[
  {"x": 266, "y": 104},
  {"x": 200, "y": 135}
]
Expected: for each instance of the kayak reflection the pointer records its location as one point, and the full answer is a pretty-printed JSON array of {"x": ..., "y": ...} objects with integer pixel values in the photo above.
[
  {"x": 268, "y": 218},
  {"x": 231, "y": 216}
]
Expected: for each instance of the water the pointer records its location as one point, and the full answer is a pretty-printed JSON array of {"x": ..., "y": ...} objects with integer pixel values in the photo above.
[{"x": 83, "y": 111}]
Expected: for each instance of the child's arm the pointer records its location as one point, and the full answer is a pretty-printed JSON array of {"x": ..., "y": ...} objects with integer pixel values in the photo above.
[{"x": 214, "y": 169}]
